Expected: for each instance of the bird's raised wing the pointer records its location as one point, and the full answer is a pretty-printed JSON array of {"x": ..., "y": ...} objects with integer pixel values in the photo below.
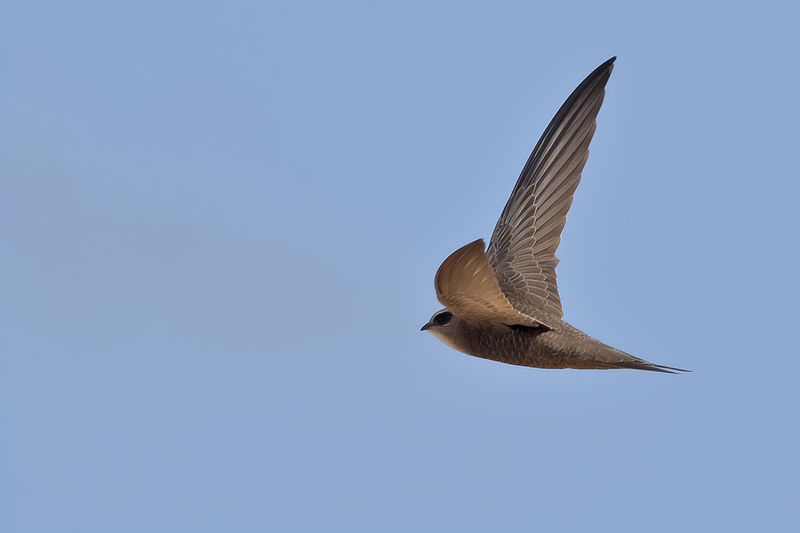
[
  {"x": 522, "y": 252},
  {"x": 466, "y": 285}
]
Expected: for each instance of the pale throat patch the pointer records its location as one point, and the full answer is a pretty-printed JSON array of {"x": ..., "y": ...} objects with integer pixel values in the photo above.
[{"x": 445, "y": 339}]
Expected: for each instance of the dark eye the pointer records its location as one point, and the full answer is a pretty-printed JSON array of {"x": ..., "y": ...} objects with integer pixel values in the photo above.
[{"x": 442, "y": 318}]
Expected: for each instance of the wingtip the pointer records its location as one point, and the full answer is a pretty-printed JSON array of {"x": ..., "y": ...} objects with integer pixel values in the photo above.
[
  {"x": 608, "y": 64},
  {"x": 602, "y": 73}
]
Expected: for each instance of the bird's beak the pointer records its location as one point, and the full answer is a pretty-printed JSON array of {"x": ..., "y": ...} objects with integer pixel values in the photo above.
[{"x": 426, "y": 326}]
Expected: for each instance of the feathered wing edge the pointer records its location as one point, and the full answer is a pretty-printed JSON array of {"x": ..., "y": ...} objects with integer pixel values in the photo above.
[{"x": 523, "y": 248}]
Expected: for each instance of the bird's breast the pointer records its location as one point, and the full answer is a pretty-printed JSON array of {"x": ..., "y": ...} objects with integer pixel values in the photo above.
[{"x": 455, "y": 342}]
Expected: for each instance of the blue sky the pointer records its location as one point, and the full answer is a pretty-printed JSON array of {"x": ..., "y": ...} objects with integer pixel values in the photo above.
[{"x": 220, "y": 224}]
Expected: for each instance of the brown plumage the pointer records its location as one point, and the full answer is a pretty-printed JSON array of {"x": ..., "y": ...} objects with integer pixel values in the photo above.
[{"x": 504, "y": 305}]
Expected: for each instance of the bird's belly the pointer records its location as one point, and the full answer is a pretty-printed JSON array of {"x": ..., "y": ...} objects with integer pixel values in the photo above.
[{"x": 536, "y": 349}]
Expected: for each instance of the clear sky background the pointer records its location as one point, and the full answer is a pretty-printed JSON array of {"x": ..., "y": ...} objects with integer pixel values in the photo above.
[{"x": 219, "y": 227}]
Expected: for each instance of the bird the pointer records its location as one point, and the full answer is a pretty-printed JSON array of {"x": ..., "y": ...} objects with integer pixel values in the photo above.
[{"x": 502, "y": 303}]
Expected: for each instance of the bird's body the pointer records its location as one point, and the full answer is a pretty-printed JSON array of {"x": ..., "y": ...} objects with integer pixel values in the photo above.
[
  {"x": 504, "y": 305},
  {"x": 563, "y": 347}
]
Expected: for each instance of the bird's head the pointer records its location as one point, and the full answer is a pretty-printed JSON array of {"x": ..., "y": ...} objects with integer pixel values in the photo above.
[
  {"x": 440, "y": 320},
  {"x": 447, "y": 328}
]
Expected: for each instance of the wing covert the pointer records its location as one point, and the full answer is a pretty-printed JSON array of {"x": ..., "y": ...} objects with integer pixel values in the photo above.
[{"x": 466, "y": 285}]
